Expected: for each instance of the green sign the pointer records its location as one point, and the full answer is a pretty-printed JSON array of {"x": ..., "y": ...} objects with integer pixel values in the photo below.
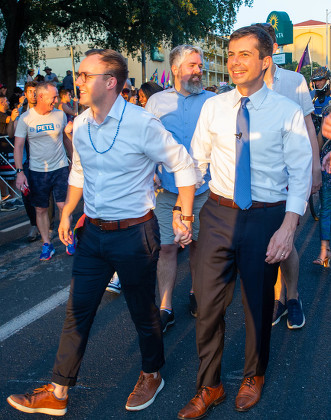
[
  {"x": 283, "y": 27},
  {"x": 282, "y": 58},
  {"x": 157, "y": 54}
]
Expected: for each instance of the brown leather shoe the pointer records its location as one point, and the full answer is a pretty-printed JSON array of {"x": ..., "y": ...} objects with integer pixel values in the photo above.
[
  {"x": 249, "y": 393},
  {"x": 206, "y": 398},
  {"x": 144, "y": 392},
  {"x": 42, "y": 400}
]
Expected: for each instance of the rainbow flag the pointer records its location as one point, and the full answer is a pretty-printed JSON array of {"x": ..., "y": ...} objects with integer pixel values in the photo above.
[{"x": 154, "y": 77}]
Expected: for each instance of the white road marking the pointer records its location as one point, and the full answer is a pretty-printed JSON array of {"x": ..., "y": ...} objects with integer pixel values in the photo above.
[
  {"x": 18, "y": 323},
  {"x": 15, "y": 227}
]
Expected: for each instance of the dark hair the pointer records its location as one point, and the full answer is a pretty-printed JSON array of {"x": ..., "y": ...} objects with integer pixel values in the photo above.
[
  {"x": 29, "y": 84},
  {"x": 264, "y": 41},
  {"x": 115, "y": 64},
  {"x": 268, "y": 28},
  {"x": 63, "y": 92},
  {"x": 149, "y": 88},
  {"x": 39, "y": 78}
]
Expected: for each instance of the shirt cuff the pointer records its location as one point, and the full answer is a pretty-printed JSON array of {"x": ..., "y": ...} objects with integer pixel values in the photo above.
[
  {"x": 296, "y": 205},
  {"x": 185, "y": 177},
  {"x": 76, "y": 180}
]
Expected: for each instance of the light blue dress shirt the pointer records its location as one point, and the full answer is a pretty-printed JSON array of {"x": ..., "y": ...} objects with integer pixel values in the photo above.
[
  {"x": 280, "y": 151},
  {"x": 179, "y": 115},
  {"x": 119, "y": 184}
]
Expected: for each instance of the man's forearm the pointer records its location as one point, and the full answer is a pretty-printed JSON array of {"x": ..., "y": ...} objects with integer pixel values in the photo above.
[
  {"x": 74, "y": 195},
  {"x": 313, "y": 140},
  {"x": 18, "y": 154},
  {"x": 185, "y": 199}
]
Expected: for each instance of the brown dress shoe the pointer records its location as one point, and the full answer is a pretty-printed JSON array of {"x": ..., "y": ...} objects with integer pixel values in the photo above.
[
  {"x": 145, "y": 391},
  {"x": 206, "y": 398},
  {"x": 249, "y": 393},
  {"x": 42, "y": 400}
]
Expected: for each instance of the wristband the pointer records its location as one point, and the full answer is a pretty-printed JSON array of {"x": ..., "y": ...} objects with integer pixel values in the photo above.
[
  {"x": 187, "y": 218},
  {"x": 177, "y": 208},
  {"x": 19, "y": 170}
]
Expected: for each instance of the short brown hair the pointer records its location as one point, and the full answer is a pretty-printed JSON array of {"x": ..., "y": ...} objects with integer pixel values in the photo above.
[
  {"x": 264, "y": 41},
  {"x": 115, "y": 63},
  {"x": 268, "y": 28},
  {"x": 44, "y": 86},
  {"x": 29, "y": 84}
]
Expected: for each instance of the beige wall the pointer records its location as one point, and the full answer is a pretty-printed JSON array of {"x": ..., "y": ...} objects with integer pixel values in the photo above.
[{"x": 317, "y": 45}]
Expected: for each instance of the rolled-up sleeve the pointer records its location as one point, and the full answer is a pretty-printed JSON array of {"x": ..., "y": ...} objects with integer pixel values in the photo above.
[
  {"x": 161, "y": 147},
  {"x": 298, "y": 159},
  {"x": 76, "y": 177},
  {"x": 201, "y": 146}
]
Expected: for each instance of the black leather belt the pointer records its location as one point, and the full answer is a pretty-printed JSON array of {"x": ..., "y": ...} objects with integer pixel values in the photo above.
[
  {"x": 222, "y": 201},
  {"x": 120, "y": 224}
]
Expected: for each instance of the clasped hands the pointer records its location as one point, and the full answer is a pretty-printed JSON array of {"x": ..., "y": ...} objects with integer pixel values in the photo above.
[{"x": 182, "y": 230}]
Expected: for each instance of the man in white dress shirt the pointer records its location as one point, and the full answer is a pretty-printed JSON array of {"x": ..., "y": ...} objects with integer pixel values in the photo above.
[
  {"x": 251, "y": 238},
  {"x": 116, "y": 147}
]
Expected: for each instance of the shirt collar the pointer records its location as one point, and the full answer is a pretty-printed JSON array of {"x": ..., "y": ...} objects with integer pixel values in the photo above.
[
  {"x": 171, "y": 90},
  {"x": 114, "y": 112},
  {"x": 277, "y": 71},
  {"x": 256, "y": 99}
]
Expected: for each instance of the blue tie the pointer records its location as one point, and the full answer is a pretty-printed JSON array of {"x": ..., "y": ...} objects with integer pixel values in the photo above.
[{"x": 242, "y": 187}]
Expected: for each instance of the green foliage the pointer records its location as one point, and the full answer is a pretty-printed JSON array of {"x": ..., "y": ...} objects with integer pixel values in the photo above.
[
  {"x": 118, "y": 24},
  {"x": 305, "y": 70}
]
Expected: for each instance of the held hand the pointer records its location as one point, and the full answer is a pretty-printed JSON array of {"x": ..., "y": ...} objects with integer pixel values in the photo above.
[
  {"x": 326, "y": 164},
  {"x": 182, "y": 230},
  {"x": 280, "y": 245},
  {"x": 65, "y": 230},
  {"x": 326, "y": 127},
  {"x": 21, "y": 99},
  {"x": 21, "y": 181},
  {"x": 15, "y": 113},
  {"x": 69, "y": 128},
  {"x": 317, "y": 179}
]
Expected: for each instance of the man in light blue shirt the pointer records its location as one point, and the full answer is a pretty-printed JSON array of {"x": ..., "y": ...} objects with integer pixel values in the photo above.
[{"x": 178, "y": 109}]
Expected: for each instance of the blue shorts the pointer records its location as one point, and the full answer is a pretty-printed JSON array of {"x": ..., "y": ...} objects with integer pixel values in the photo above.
[{"x": 43, "y": 183}]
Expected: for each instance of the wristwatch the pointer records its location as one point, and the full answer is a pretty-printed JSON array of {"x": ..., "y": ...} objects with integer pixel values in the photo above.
[
  {"x": 177, "y": 208},
  {"x": 19, "y": 170},
  {"x": 187, "y": 218}
]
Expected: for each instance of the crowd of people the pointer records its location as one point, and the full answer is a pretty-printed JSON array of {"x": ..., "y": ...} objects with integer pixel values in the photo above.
[{"x": 217, "y": 170}]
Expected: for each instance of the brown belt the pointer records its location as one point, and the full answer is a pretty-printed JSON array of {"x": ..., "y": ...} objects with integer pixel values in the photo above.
[
  {"x": 222, "y": 201},
  {"x": 120, "y": 224}
]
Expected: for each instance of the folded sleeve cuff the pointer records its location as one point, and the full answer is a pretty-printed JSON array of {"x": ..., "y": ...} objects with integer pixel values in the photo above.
[
  {"x": 185, "y": 177},
  {"x": 76, "y": 180},
  {"x": 296, "y": 205}
]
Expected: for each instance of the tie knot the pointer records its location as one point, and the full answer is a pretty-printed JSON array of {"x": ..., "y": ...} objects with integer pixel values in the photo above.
[{"x": 244, "y": 101}]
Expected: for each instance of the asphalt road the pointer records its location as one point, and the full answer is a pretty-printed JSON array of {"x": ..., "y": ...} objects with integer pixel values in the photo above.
[{"x": 297, "y": 381}]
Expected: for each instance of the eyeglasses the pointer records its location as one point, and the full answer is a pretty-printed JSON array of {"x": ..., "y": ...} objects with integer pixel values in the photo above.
[{"x": 84, "y": 76}]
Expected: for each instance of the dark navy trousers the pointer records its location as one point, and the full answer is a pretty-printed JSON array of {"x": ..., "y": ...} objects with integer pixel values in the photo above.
[{"x": 133, "y": 253}]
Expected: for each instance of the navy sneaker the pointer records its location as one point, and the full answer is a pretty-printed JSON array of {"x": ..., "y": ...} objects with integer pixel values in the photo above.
[
  {"x": 47, "y": 252},
  {"x": 295, "y": 318},
  {"x": 193, "y": 305},
  {"x": 279, "y": 311},
  {"x": 167, "y": 319}
]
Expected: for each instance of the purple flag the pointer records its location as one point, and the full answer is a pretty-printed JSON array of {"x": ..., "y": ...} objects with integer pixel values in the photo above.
[{"x": 305, "y": 59}]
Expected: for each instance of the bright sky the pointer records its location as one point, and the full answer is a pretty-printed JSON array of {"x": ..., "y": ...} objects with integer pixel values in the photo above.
[{"x": 298, "y": 11}]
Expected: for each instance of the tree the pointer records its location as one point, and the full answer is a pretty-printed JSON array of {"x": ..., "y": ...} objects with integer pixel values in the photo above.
[
  {"x": 305, "y": 70},
  {"x": 119, "y": 24}
]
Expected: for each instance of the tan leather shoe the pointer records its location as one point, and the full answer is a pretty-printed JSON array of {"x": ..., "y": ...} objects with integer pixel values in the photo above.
[
  {"x": 249, "y": 393},
  {"x": 206, "y": 398},
  {"x": 144, "y": 392},
  {"x": 42, "y": 400}
]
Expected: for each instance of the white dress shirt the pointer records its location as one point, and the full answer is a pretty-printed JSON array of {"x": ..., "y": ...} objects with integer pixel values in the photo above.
[
  {"x": 280, "y": 151},
  {"x": 294, "y": 86},
  {"x": 119, "y": 183}
]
